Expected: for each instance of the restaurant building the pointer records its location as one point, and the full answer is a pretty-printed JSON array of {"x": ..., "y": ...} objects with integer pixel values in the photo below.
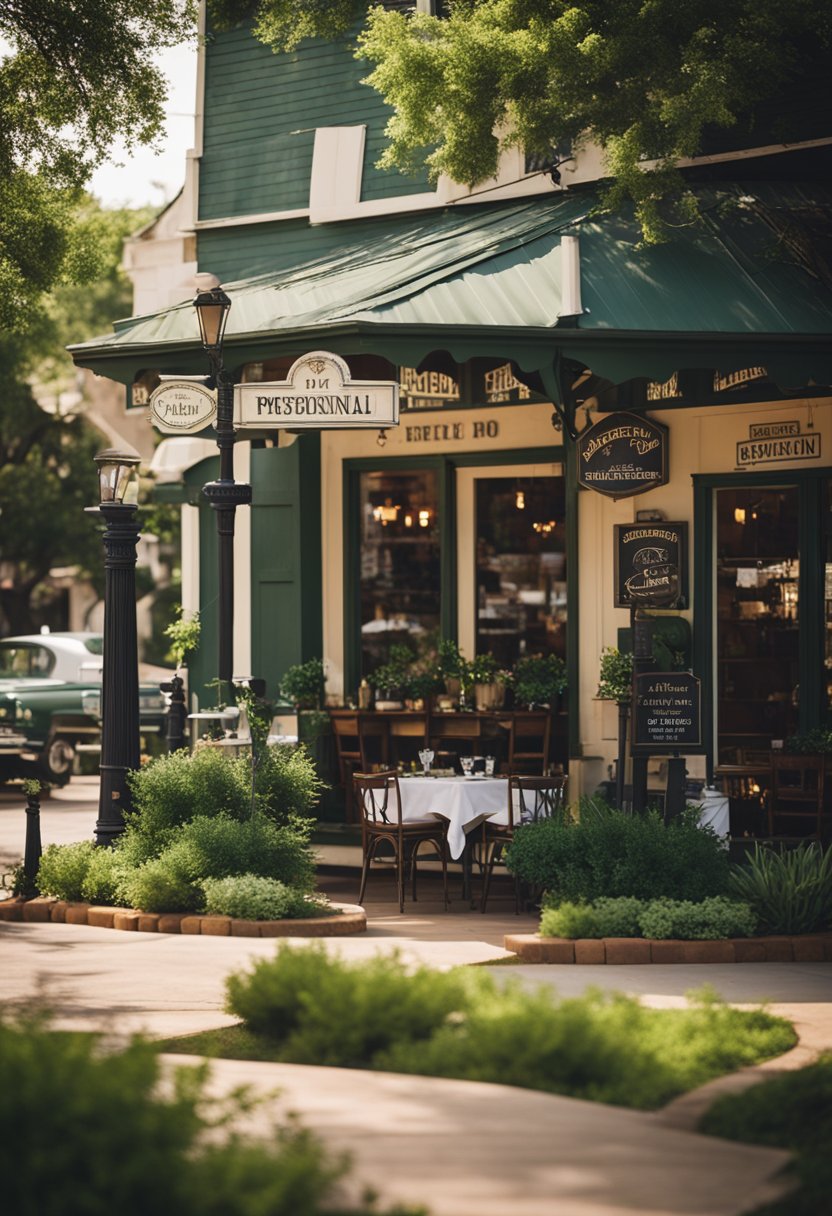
[{"x": 514, "y": 319}]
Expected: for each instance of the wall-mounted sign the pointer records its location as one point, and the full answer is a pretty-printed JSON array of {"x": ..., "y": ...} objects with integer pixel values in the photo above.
[
  {"x": 318, "y": 394},
  {"x": 623, "y": 455},
  {"x": 651, "y": 564},
  {"x": 427, "y": 390},
  {"x": 180, "y": 407},
  {"x": 770, "y": 442},
  {"x": 667, "y": 711}
]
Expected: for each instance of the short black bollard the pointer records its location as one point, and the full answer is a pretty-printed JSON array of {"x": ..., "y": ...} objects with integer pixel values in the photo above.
[
  {"x": 33, "y": 850},
  {"x": 176, "y": 713}
]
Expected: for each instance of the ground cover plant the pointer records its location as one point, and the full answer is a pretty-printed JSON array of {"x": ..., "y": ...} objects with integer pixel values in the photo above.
[
  {"x": 194, "y": 820},
  {"x": 464, "y": 1023},
  {"x": 789, "y": 890},
  {"x": 89, "y": 1131},
  {"x": 596, "y": 852},
  {"x": 711, "y": 919},
  {"x": 792, "y": 1111}
]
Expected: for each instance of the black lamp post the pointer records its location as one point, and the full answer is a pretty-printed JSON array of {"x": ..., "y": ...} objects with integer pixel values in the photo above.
[
  {"x": 225, "y": 495},
  {"x": 120, "y": 676}
]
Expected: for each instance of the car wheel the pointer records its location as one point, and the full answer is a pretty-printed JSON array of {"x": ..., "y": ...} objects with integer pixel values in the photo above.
[{"x": 55, "y": 764}]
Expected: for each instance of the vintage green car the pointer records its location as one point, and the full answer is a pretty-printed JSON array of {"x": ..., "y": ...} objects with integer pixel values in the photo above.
[{"x": 50, "y": 703}]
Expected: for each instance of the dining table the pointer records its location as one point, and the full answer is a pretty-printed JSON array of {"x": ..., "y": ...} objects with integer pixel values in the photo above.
[{"x": 464, "y": 801}]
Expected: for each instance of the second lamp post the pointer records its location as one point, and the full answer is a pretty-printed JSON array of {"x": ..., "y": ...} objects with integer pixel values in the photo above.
[{"x": 224, "y": 494}]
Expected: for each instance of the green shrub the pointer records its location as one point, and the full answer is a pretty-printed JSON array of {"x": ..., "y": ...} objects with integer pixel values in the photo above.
[
  {"x": 287, "y": 783},
  {"x": 158, "y": 886},
  {"x": 606, "y": 1048},
  {"x": 87, "y": 1132},
  {"x": 172, "y": 790},
  {"x": 603, "y": 918},
  {"x": 105, "y": 872},
  {"x": 710, "y": 920},
  {"x": 291, "y": 998},
  {"x": 250, "y": 897},
  {"x": 793, "y": 1111},
  {"x": 789, "y": 891},
  {"x": 613, "y": 854},
  {"x": 220, "y": 846},
  {"x": 63, "y": 868}
]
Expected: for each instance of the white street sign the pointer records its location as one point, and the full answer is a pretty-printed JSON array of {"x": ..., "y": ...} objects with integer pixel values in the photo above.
[
  {"x": 318, "y": 394},
  {"x": 180, "y": 407}
]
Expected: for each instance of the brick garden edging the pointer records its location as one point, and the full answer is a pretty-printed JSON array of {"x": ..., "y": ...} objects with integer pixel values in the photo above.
[
  {"x": 352, "y": 919},
  {"x": 803, "y": 948}
]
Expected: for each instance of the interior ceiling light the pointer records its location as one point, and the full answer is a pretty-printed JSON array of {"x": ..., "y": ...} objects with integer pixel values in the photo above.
[{"x": 520, "y": 500}]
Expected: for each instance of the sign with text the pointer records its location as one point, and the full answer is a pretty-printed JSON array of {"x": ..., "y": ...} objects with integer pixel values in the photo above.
[
  {"x": 317, "y": 394},
  {"x": 651, "y": 564},
  {"x": 771, "y": 442},
  {"x": 180, "y": 407},
  {"x": 667, "y": 711},
  {"x": 623, "y": 455}
]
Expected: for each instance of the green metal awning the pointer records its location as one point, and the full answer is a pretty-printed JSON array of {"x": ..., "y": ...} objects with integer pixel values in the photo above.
[{"x": 488, "y": 280}]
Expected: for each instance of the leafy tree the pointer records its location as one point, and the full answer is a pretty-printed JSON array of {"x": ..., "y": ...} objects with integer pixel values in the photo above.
[
  {"x": 645, "y": 80},
  {"x": 73, "y": 77}
]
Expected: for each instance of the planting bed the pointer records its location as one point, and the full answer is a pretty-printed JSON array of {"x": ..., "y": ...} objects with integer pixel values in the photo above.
[
  {"x": 350, "y": 918},
  {"x": 802, "y": 948}
]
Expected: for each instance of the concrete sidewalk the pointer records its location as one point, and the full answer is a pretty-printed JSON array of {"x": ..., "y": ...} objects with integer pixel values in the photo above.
[{"x": 463, "y": 1149}]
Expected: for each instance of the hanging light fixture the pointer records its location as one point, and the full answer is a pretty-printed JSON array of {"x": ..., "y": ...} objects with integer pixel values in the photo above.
[{"x": 520, "y": 500}]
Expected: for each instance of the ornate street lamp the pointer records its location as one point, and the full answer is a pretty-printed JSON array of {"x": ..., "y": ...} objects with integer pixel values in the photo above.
[
  {"x": 225, "y": 495},
  {"x": 120, "y": 675}
]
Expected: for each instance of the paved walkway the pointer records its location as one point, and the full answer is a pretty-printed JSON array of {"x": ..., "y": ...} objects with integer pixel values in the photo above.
[{"x": 461, "y": 1148}]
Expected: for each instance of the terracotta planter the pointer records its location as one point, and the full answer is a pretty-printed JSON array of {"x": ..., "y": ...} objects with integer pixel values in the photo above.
[{"x": 489, "y": 696}]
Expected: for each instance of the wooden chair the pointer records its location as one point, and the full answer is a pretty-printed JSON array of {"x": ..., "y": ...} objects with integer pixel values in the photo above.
[
  {"x": 379, "y": 798},
  {"x": 797, "y": 789},
  {"x": 528, "y": 743},
  {"x": 530, "y": 799},
  {"x": 354, "y": 735}
]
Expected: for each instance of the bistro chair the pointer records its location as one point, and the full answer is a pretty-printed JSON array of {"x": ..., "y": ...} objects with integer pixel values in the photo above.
[
  {"x": 797, "y": 790},
  {"x": 530, "y": 799},
  {"x": 379, "y": 800},
  {"x": 528, "y": 741},
  {"x": 358, "y": 739}
]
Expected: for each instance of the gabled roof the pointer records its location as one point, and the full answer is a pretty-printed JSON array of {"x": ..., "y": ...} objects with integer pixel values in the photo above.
[{"x": 727, "y": 293}]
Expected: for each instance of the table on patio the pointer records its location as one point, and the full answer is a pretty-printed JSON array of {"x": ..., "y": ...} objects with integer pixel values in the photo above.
[{"x": 463, "y": 801}]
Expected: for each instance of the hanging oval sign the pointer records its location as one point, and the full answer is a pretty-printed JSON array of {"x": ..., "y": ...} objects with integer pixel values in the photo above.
[
  {"x": 622, "y": 455},
  {"x": 180, "y": 407}
]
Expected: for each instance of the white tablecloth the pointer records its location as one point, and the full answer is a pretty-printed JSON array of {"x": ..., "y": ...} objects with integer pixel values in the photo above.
[{"x": 463, "y": 801}]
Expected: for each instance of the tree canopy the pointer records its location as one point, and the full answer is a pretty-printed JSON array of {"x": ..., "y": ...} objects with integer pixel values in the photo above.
[
  {"x": 73, "y": 78},
  {"x": 644, "y": 78}
]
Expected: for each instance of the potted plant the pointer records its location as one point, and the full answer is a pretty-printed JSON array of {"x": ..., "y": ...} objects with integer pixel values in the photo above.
[
  {"x": 391, "y": 681},
  {"x": 539, "y": 680},
  {"x": 303, "y": 684},
  {"x": 488, "y": 681},
  {"x": 451, "y": 666},
  {"x": 616, "y": 676}
]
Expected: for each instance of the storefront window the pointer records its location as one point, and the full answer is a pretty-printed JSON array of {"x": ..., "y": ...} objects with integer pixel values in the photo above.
[
  {"x": 400, "y": 571},
  {"x": 758, "y": 613},
  {"x": 520, "y": 567}
]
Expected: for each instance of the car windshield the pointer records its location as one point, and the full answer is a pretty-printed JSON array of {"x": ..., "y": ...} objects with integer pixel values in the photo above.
[
  {"x": 95, "y": 644},
  {"x": 24, "y": 662}
]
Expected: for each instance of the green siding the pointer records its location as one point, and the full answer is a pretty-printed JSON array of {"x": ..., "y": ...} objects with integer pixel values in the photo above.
[
  {"x": 261, "y": 111},
  {"x": 286, "y": 607}
]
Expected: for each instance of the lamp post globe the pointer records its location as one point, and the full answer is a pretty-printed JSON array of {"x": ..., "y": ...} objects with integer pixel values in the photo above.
[{"x": 120, "y": 674}]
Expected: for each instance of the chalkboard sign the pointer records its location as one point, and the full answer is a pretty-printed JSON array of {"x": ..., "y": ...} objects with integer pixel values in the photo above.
[
  {"x": 622, "y": 455},
  {"x": 667, "y": 714},
  {"x": 651, "y": 565}
]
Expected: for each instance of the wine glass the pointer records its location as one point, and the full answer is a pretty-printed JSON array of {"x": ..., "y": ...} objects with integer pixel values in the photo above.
[
  {"x": 426, "y": 757},
  {"x": 489, "y": 766},
  {"x": 467, "y": 763}
]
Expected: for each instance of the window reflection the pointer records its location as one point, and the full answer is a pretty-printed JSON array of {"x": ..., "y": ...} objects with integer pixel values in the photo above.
[
  {"x": 521, "y": 567},
  {"x": 400, "y": 570}
]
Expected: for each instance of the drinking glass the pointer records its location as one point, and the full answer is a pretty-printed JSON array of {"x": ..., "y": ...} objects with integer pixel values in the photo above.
[
  {"x": 467, "y": 763},
  {"x": 489, "y": 766},
  {"x": 426, "y": 756}
]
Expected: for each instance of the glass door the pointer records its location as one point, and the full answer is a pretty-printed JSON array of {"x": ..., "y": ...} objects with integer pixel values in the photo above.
[
  {"x": 511, "y": 561},
  {"x": 757, "y": 620}
]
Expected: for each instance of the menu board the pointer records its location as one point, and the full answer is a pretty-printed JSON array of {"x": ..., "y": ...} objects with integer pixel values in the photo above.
[
  {"x": 667, "y": 712},
  {"x": 651, "y": 564}
]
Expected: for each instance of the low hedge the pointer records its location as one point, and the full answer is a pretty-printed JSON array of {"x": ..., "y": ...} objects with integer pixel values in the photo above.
[{"x": 659, "y": 919}]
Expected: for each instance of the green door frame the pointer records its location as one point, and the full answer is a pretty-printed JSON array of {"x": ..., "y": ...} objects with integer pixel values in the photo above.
[
  {"x": 446, "y": 467},
  {"x": 810, "y": 485}
]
